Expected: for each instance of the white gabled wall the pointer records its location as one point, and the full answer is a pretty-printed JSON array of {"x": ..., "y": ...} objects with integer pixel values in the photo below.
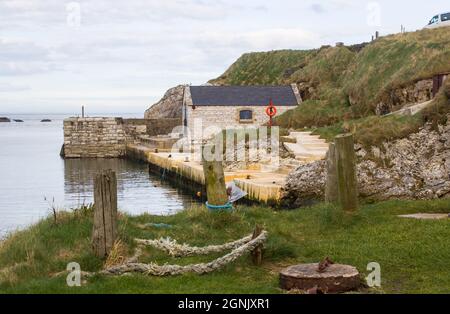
[{"x": 213, "y": 118}]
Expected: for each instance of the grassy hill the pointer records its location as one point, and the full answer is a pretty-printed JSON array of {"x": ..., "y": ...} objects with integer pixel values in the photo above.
[{"x": 345, "y": 84}]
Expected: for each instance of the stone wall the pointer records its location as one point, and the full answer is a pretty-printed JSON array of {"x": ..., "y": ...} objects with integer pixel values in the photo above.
[
  {"x": 161, "y": 126},
  {"x": 107, "y": 137},
  {"x": 94, "y": 137},
  {"x": 215, "y": 118}
]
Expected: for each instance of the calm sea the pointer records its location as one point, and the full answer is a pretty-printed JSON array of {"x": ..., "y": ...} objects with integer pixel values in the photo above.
[{"x": 33, "y": 177}]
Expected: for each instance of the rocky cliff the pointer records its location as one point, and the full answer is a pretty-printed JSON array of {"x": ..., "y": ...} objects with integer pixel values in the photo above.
[
  {"x": 416, "y": 167},
  {"x": 170, "y": 106}
]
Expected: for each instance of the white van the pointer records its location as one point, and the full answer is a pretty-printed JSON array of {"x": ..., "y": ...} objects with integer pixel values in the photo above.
[{"x": 439, "y": 20}]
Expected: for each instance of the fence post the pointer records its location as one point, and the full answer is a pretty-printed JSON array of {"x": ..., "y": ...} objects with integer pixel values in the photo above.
[
  {"x": 257, "y": 253},
  {"x": 104, "y": 232},
  {"x": 347, "y": 183},
  {"x": 331, "y": 190},
  {"x": 214, "y": 177}
]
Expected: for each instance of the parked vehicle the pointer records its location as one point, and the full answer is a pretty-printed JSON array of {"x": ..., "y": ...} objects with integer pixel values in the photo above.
[{"x": 439, "y": 20}]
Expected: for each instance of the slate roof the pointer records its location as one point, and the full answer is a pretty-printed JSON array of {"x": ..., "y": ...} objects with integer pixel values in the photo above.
[{"x": 242, "y": 95}]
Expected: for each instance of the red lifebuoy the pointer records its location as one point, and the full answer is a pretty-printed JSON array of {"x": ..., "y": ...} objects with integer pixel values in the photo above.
[{"x": 271, "y": 111}]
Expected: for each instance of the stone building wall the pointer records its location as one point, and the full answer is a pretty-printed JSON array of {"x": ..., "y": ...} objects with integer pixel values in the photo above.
[
  {"x": 94, "y": 137},
  {"x": 222, "y": 117}
]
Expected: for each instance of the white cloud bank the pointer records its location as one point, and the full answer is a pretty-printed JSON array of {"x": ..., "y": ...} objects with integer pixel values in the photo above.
[{"x": 125, "y": 54}]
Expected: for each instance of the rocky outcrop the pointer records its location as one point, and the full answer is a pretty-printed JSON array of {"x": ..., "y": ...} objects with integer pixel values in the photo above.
[
  {"x": 416, "y": 93},
  {"x": 416, "y": 167},
  {"x": 4, "y": 119},
  {"x": 170, "y": 106}
]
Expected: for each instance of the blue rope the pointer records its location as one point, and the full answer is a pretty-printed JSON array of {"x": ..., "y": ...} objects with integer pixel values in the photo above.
[{"x": 226, "y": 207}]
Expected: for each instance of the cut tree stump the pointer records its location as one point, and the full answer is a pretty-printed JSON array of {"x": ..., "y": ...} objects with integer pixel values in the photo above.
[
  {"x": 104, "y": 232},
  {"x": 335, "y": 279}
]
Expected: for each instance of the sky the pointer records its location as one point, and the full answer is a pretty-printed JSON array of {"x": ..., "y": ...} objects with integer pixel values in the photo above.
[{"x": 115, "y": 56}]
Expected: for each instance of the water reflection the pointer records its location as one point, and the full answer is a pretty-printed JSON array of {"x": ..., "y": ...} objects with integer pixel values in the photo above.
[{"x": 138, "y": 191}]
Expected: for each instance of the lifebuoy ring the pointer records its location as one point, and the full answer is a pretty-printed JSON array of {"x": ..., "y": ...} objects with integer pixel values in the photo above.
[{"x": 271, "y": 111}]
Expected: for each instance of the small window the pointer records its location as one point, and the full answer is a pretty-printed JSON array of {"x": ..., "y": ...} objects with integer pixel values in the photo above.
[
  {"x": 445, "y": 17},
  {"x": 246, "y": 116}
]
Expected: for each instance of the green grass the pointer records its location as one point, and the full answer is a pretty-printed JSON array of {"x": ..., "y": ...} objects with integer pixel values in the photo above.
[
  {"x": 374, "y": 130},
  {"x": 413, "y": 254},
  {"x": 264, "y": 68},
  {"x": 346, "y": 85}
]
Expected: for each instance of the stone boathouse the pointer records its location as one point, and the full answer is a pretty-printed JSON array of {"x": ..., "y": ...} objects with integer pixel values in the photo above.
[{"x": 212, "y": 108}]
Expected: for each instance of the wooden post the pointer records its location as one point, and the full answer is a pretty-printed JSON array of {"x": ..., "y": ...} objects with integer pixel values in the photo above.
[
  {"x": 346, "y": 172},
  {"x": 331, "y": 189},
  {"x": 257, "y": 252},
  {"x": 104, "y": 232},
  {"x": 214, "y": 177}
]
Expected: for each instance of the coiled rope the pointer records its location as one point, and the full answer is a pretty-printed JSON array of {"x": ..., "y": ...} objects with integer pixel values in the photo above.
[
  {"x": 240, "y": 247},
  {"x": 174, "y": 249}
]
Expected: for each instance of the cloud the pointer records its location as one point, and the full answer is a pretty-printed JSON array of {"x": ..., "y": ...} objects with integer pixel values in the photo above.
[
  {"x": 21, "y": 50},
  {"x": 7, "y": 87},
  {"x": 330, "y": 5},
  {"x": 317, "y": 8},
  {"x": 23, "y": 58},
  {"x": 265, "y": 39}
]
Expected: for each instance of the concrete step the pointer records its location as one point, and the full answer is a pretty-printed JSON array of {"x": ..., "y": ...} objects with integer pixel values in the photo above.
[
  {"x": 298, "y": 133},
  {"x": 306, "y": 159},
  {"x": 315, "y": 145},
  {"x": 309, "y": 148},
  {"x": 307, "y": 137}
]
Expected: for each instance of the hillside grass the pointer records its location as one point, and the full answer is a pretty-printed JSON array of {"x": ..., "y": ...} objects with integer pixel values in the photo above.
[
  {"x": 264, "y": 68},
  {"x": 345, "y": 85},
  {"x": 413, "y": 254},
  {"x": 375, "y": 130}
]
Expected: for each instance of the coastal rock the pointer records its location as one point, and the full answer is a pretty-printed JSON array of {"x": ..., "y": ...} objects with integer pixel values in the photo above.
[
  {"x": 305, "y": 185},
  {"x": 416, "y": 167},
  {"x": 4, "y": 119},
  {"x": 46, "y": 120},
  {"x": 18, "y": 120},
  {"x": 416, "y": 93},
  {"x": 170, "y": 106}
]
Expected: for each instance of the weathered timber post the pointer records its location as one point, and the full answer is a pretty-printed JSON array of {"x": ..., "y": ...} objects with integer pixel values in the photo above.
[
  {"x": 214, "y": 177},
  {"x": 331, "y": 189},
  {"x": 104, "y": 233},
  {"x": 257, "y": 253},
  {"x": 346, "y": 172}
]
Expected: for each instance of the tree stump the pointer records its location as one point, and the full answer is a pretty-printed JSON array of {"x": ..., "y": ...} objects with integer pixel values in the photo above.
[
  {"x": 347, "y": 183},
  {"x": 257, "y": 253},
  {"x": 214, "y": 177},
  {"x": 335, "y": 279},
  {"x": 104, "y": 232},
  {"x": 331, "y": 190}
]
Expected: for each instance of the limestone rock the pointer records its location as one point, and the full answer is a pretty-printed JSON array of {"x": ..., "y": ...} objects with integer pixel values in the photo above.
[
  {"x": 416, "y": 167},
  {"x": 305, "y": 185},
  {"x": 415, "y": 93},
  {"x": 170, "y": 106}
]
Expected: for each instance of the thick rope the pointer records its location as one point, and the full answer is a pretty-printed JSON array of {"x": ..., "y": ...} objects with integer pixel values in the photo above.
[
  {"x": 172, "y": 270},
  {"x": 174, "y": 249}
]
